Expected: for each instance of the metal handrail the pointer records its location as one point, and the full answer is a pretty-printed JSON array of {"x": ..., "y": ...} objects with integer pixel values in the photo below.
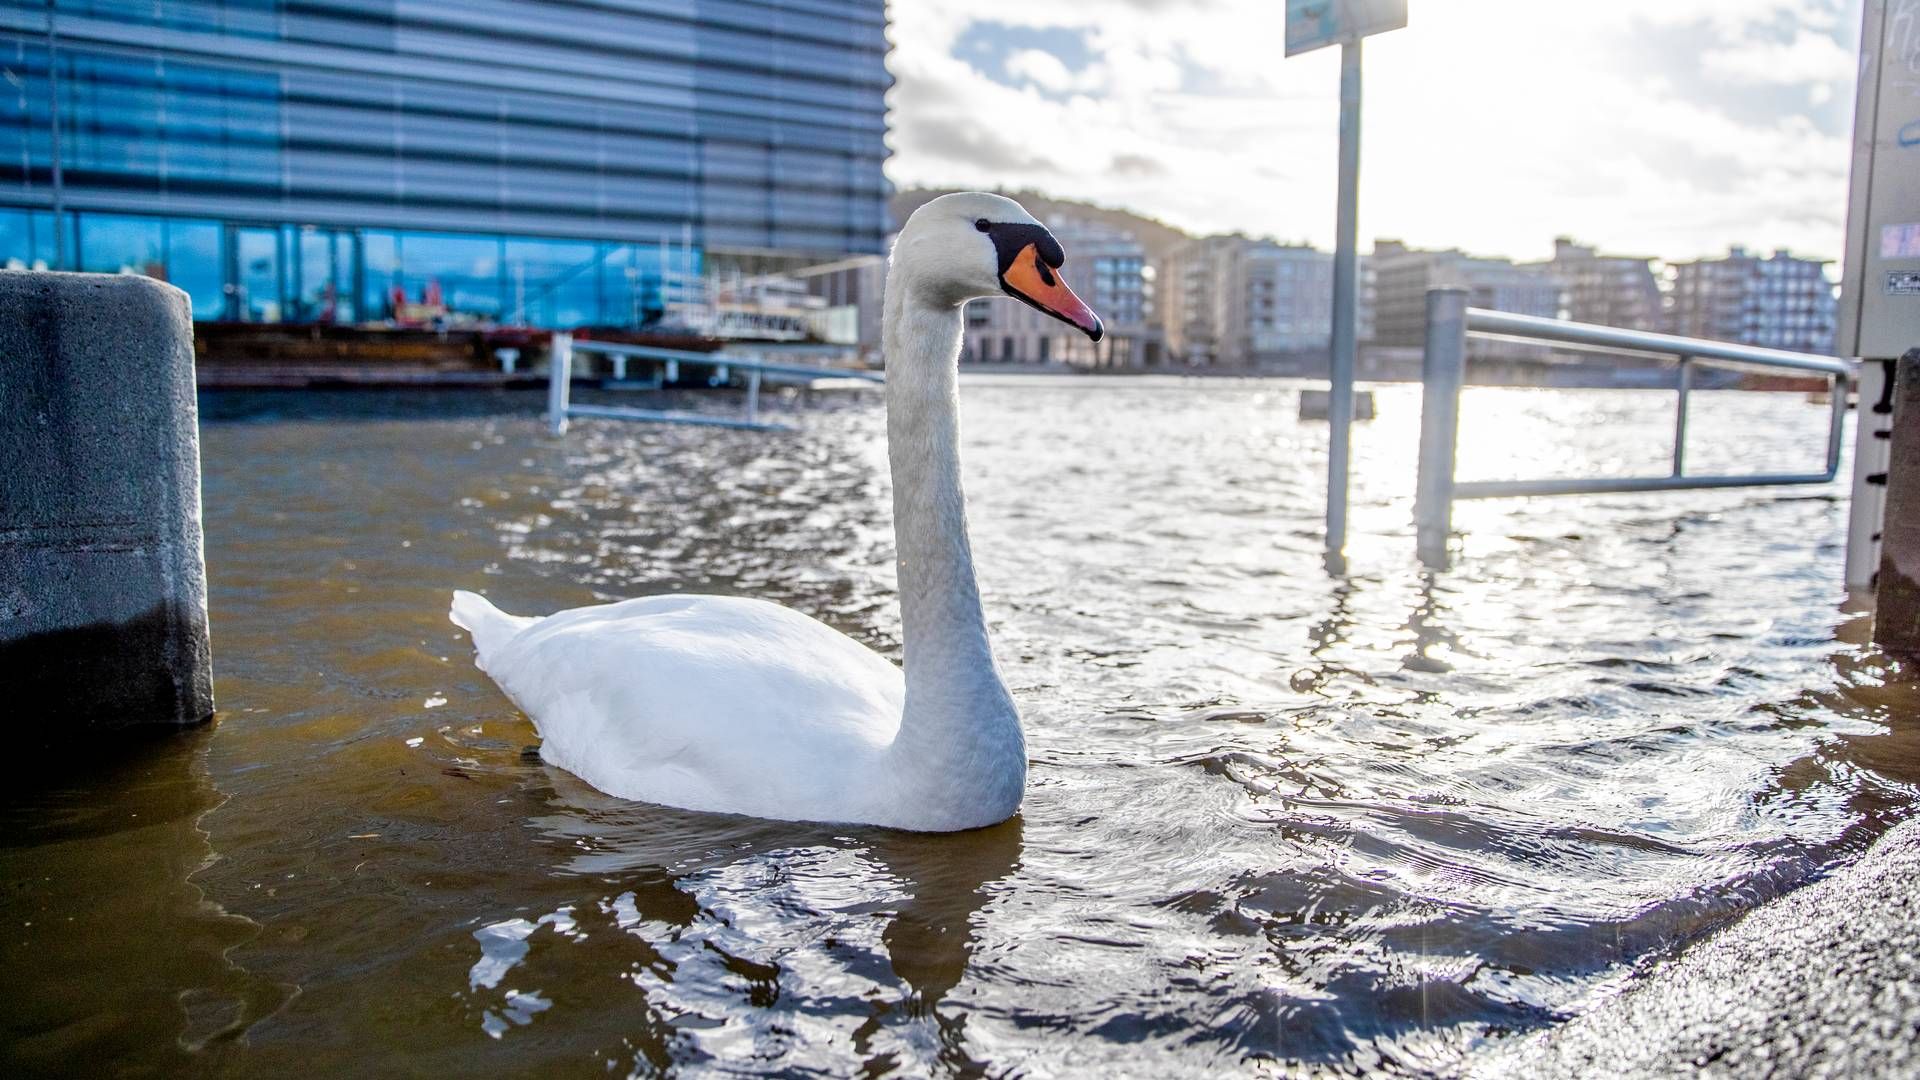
[
  {"x": 560, "y": 383},
  {"x": 1484, "y": 323},
  {"x": 1450, "y": 321},
  {"x": 721, "y": 360}
]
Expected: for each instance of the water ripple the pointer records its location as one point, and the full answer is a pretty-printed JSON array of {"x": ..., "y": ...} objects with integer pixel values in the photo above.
[{"x": 1338, "y": 824}]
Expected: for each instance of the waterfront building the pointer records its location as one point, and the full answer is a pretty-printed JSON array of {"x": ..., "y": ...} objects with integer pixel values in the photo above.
[
  {"x": 1404, "y": 276},
  {"x": 556, "y": 163},
  {"x": 1779, "y": 302},
  {"x": 1108, "y": 269},
  {"x": 1236, "y": 301},
  {"x": 1609, "y": 290},
  {"x": 1276, "y": 302},
  {"x": 1187, "y": 283}
]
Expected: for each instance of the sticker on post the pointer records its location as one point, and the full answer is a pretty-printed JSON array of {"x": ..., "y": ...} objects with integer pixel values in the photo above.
[
  {"x": 1903, "y": 283},
  {"x": 1900, "y": 241}
]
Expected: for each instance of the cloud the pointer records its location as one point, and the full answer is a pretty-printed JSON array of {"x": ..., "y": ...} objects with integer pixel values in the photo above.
[
  {"x": 1671, "y": 127},
  {"x": 1809, "y": 59},
  {"x": 1137, "y": 165},
  {"x": 1042, "y": 68},
  {"x": 954, "y": 138}
]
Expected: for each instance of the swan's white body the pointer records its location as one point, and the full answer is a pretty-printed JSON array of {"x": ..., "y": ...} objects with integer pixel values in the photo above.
[{"x": 742, "y": 706}]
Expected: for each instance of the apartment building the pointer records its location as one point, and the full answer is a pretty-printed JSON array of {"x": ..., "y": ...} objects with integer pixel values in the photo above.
[
  {"x": 1609, "y": 290},
  {"x": 1108, "y": 269},
  {"x": 1234, "y": 301},
  {"x": 1404, "y": 276},
  {"x": 1780, "y": 302}
]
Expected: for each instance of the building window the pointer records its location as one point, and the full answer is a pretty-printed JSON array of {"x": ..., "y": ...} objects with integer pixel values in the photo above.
[
  {"x": 112, "y": 244},
  {"x": 308, "y": 273},
  {"x": 553, "y": 282},
  {"x": 195, "y": 263},
  {"x": 458, "y": 273},
  {"x": 259, "y": 278},
  {"x": 380, "y": 273},
  {"x": 27, "y": 241},
  {"x": 324, "y": 266}
]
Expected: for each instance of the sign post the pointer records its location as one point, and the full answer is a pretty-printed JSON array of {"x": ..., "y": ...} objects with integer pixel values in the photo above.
[{"x": 1312, "y": 24}]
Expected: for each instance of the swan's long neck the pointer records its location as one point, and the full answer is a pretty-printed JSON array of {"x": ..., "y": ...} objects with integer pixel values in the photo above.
[{"x": 960, "y": 722}]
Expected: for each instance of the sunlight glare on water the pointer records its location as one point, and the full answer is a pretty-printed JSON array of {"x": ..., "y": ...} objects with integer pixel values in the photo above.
[{"x": 1360, "y": 822}]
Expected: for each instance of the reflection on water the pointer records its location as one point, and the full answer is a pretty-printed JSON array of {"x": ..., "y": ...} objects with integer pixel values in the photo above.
[
  {"x": 1363, "y": 821},
  {"x": 109, "y": 951}
]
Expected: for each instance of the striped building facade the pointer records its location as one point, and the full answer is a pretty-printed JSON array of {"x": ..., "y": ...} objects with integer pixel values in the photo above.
[{"x": 549, "y": 161}]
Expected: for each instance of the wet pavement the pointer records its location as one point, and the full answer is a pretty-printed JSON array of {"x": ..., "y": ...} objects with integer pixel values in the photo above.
[{"x": 1824, "y": 982}]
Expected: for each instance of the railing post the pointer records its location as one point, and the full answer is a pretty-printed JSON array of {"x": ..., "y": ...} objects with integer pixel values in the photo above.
[
  {"x": 753, "y": 396},
  {"x": 1873, "y": 442},
  {"x": 1838, "y": 398},
  {"x": 1443, "y": 369},
  {"x": 1680, "y": 417},
  {"x": 559, "y": 381}
]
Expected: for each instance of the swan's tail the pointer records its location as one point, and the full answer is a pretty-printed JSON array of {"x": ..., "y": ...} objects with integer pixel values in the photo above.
[{"x": 490, "y": 627}]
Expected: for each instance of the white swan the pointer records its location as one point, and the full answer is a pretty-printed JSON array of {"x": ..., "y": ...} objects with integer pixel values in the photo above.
[{"x": 742, "y": 706}]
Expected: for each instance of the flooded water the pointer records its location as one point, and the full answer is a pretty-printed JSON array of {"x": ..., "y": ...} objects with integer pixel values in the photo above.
[{"x": 1276, "y": 818}]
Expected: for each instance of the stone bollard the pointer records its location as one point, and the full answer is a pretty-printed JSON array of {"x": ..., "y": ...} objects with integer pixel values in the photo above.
[
  {"x": 1896, "y": 620},
  {"x": 103, "y": 586}
]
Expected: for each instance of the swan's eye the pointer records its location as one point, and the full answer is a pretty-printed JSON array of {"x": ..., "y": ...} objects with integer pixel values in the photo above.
[{"x": 983, "y": 224}]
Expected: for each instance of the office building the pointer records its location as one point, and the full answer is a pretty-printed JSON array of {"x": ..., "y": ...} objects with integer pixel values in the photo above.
[{"x": 553, "y": 162}]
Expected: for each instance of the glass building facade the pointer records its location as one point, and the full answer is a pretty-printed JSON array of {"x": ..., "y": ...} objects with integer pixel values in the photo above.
[{"x": 556, "y": 163}]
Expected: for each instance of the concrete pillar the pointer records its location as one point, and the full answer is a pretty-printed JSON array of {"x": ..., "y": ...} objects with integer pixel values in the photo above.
[
  {"x": 1896, "y": 623},
  {"x": 103, "y": 594}
]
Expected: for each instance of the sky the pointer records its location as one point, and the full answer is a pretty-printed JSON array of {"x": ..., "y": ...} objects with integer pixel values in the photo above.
[{"x": 1665, "y": 128}]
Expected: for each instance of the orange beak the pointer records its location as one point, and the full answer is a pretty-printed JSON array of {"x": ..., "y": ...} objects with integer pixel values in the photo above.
[{"x": 1038, "y": 284}]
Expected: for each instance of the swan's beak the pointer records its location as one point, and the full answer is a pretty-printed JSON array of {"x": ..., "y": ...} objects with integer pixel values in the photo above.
[{"x": 1030, "y": 279}]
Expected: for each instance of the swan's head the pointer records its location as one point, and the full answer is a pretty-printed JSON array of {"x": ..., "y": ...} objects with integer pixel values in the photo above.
[{"x": 971, "y": 244}]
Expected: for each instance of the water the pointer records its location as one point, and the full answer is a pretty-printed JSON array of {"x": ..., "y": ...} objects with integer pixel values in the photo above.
[{"x": 1370, "y": 822}]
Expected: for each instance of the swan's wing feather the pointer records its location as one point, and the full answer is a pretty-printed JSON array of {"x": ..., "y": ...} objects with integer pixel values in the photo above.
[{"x": 669, "y": 697}]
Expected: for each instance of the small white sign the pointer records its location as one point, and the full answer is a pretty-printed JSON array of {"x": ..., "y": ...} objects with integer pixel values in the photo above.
[
  {"x": 1313, "y": 24},
  {"x": 1903, "y": 283}
]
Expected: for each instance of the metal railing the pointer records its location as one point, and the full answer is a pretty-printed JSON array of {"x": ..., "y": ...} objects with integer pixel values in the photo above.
[
  {"x": 560, "y": 407},
  {"x": 1450, "y": 321}
]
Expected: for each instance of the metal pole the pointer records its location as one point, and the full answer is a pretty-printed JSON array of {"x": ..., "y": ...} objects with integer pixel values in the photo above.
[
  {"x": 1680, "y": 418},
  {"x": 1443, "y": 369},
  {"x": 559, "y": 381},
  {"x": 1873, "y": 441},
  {"x": 753, "y": 396},
  {"x": 1346, "y": 295},
  {"x": 1838, "y": 398}
]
